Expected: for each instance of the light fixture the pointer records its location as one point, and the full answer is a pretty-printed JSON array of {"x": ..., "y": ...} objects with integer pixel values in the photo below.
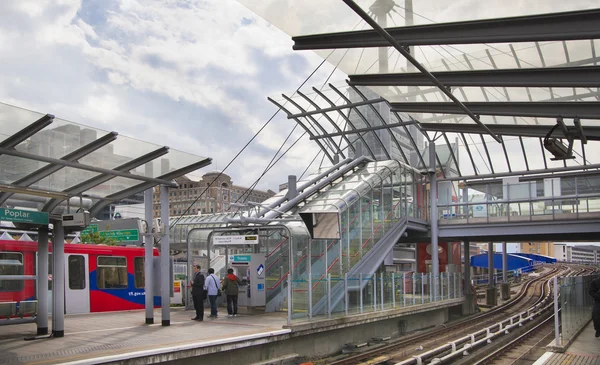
[{"x": 555, "y": 146}]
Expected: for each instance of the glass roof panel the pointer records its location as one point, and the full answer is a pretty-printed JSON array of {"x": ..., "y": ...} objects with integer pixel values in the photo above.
[
  {"x": 62, "y": 137},
  {"x": 64, "y": 178},
  {"x": 13, "y": 168},
  {"x": 13, "y": 119}
]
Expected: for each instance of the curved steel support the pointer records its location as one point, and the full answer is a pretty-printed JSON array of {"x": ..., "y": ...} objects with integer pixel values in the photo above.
[
  {"x": 306, "y": 129},
  {"x": 341, "y": 95},
  {"x": 330, "y": 140},
  {"x": 360, "y": 136},
  {"x": 334, "y": 124}
]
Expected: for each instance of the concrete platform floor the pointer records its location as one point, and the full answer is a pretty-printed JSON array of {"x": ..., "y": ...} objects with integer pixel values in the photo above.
[
  {"x": 584, "y": 350},
  {"x": 98, "y": 337}
]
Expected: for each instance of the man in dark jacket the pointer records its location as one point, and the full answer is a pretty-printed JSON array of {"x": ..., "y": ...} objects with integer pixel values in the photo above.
[
  {"x": 231, "y": 287},
  {"x": 595, "y": 293},
  {"x": 198, "y": 293}
]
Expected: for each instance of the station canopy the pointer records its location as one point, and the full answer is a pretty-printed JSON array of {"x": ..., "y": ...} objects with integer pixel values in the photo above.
[
  {"x": 523, "y": 75},
  {"x": 47, "y": 163}
]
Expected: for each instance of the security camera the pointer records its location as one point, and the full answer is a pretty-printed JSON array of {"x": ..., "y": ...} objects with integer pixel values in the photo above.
[{"x": 557, "y": 148}]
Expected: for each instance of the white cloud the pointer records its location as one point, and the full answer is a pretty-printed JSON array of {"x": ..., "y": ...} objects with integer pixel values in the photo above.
[{"x": 191, "y": 75}]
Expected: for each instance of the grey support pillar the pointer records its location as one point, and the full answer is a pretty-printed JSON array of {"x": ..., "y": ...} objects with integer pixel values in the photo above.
[
  {"x": 469, "y": 303},
  {"x": 148, "y": 261},
  {"x": 58, "y": 281},
  {"x": 42, "y": 281},
  {"x": 505, "y": 286},
  {"x": 491, "y": 295},
  {"x": 165, "y": 248},
  {"x": 435, "y": 269}
]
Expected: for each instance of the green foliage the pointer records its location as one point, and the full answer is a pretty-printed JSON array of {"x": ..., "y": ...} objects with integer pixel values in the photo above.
[{"x": 97, "y": 239}]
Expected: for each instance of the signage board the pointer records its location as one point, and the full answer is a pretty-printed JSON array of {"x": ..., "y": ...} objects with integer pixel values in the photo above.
[
  {"x": 251, "y": 239},
  {"x": 240, "y": 258},
  {"x": 122, "y": 235},
  {"x": 119, "y": 235},
  {"x": 24, "y": 216}
]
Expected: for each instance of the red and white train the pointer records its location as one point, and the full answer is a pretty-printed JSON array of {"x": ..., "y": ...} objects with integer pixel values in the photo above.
[{"x": 97, "y": 278}]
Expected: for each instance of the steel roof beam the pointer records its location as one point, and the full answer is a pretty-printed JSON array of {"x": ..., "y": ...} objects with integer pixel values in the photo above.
[
  {"x": 583, "y": 110},
  {"x": 574, "y": 25},
  {"x": 306, "y": 129},
  {"x": 337, "y": 107},
  {"x": 147, "y": 185},
  {"x": 80, "y": 166},
  {"x": 361, "y": 130},
  {"x": 522, "y": 130},
  {"x": 588, "y": 76},
  {"x": 399, "y": 47},
  {"x": 97, "y": 180},
  {"x": 49, "y": 169},
  {"x": 30, "y": 130},
  {"x": 344, "y": 116}
]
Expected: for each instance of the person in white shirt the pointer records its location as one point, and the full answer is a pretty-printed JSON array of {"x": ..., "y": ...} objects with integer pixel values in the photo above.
[{"x": 212, "y": 284}]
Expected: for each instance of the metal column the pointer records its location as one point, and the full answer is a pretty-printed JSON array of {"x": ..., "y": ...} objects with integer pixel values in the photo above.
[
  {"x": 491, "y": 295},
  {"x": 148, "y": 261},
  {"x": 58, "y": 281},
  {"x": 467, "y": 268},
  {"x": 165, "y": 249},
  {"x": 435, "y": 269},
  {"x": 505, "y": 286},
  {"x": 42, "y": 281}
]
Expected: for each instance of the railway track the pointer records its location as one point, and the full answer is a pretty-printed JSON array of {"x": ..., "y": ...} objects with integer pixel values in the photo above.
[{"x": 531, "y": 295}]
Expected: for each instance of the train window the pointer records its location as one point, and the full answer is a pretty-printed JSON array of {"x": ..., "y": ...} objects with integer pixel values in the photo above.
[
  {"x": 140, "y": 276},
  {"x": 11, "y": 263},
  {"x": 76, "y": 272},
  {"x": 111, "y": 272}
]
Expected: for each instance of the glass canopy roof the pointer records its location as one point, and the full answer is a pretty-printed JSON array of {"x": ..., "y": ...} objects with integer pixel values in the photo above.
[
  {"x": 47, "y": 161},
  {"x": 521, "y": 70}
]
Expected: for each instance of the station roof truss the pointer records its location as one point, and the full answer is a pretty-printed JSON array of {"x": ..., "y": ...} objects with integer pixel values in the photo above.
[
  {"x": 524, "y": 78},
  {"x": 47, "y": 163}
]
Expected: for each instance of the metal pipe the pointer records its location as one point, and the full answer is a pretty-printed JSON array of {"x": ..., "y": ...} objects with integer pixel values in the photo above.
[
  {"x": 42, "y": 281},
  {"x": 435, "y": 269},
  {"x": 58, "y": 281},
  {"x": 165, "y": 256},
  {"x": 358, "y": 10},
  {"x": 149, "y": 257}
]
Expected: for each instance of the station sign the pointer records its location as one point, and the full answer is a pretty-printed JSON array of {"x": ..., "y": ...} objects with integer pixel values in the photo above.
[
  {"x": 24, "y": 216},
  {"x": 251, "y": 239},
  {"x": 240, "y": 258},
  {"x": 119, "y": 235}
]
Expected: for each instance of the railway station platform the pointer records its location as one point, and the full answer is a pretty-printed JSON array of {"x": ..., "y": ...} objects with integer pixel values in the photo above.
[
  {"x": 585, "y": 349},
  {"x": 122, "y": 338}
]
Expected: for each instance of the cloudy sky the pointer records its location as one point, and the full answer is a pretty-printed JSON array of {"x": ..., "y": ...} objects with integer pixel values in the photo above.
[{"x": 193, "y": 75}]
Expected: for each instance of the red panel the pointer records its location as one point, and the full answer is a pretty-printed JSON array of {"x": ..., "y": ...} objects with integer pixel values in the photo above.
[{"x": 103, "y": 302}]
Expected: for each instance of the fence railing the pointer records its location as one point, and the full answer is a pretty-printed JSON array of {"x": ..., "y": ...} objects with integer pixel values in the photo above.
[
  {"x": 370, "y": 293},
  {"x": 575, "y": 305}
]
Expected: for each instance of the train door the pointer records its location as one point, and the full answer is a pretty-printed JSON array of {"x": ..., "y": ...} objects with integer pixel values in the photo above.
[{"x": 77, "y": 286}]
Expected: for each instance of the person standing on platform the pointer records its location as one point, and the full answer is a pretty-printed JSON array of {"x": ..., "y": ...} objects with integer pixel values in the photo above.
[
  {"x": 231, "y": 287},
  {"x": 595, "y": 293},
  {"x": 212, "y": 286},
  {"x": 198, "y": 293}
]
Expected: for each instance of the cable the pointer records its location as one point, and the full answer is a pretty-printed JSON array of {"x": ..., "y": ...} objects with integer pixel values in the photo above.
[{"x": 239, "y": 153}]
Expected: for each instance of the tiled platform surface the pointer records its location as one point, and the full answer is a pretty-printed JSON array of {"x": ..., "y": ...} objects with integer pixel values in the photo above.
[
  {"x": 585, "y": 350},
  {"x": 90, "y": 337}
]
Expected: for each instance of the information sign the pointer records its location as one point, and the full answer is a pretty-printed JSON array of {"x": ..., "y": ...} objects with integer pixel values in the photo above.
[
  {"x": 251, "y": 239},
  {"x": 23, "y": 216}
]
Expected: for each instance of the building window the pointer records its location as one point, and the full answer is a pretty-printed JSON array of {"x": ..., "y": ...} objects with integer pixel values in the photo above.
[
  {"x": 140, "y": 275},
  {"x": 111, "y": 272},
  {"x": 11, "y": 263},
  {"x": 77, "y": 273}
]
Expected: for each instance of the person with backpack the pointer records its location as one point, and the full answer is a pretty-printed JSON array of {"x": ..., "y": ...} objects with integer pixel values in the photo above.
[
  {"x": 211, "y": 284},
  {"x": 231, "y": 287}
]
